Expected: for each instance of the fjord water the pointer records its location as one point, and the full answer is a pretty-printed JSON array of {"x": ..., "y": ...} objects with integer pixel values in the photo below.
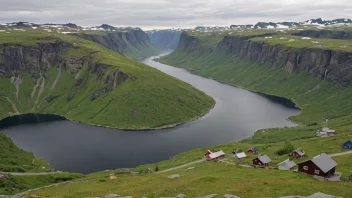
[{"x": 77, "y": 147}]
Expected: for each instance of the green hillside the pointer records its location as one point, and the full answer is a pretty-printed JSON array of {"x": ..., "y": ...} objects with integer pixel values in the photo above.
[
  {"x": 13, "y": 159},
  {"x": 84, "y": 81}
]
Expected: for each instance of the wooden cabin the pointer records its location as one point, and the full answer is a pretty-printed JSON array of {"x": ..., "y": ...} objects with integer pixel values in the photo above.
[
  {"x": 262, "y": 160},
  {"x": 321, "y": 165}
]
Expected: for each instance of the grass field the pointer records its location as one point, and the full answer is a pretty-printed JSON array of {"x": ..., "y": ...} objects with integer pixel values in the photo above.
[
  {"x": 206, "y": 178},
  {"x": 18, "y": 184}
]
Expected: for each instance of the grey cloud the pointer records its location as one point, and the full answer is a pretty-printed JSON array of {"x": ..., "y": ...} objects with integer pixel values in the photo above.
[{"x": 170, "y": 13}]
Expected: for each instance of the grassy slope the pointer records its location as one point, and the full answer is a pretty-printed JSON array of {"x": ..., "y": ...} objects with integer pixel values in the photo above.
[
  {"x": 18, "y": 184},
  {"x": 206, "y": 178},
  {"x": 141, "y": 102},
  {"x": 317, "y": 99},
  {"x": 14, "y": 159}
]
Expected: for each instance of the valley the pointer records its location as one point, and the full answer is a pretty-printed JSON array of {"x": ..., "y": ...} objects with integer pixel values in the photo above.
[{"x": 307, "y": 64}]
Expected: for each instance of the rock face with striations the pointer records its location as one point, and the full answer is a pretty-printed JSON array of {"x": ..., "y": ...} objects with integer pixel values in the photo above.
[
  {"x": 132, "y": 43},
  {"x": 333, "y": 66}
]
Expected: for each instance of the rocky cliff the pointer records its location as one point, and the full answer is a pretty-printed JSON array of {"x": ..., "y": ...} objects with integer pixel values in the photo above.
[
  {"x": 133, "y": 43},
  {"x": 325, "y": 34},
  {"x": 81, "y": 80},
  {"x": 333, "y": 66}
]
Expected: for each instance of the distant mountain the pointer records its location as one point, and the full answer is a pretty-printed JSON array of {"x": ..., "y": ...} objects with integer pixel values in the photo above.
[
  {"x": 33, "y": 25},
  {"x": 318, "y": 22}
]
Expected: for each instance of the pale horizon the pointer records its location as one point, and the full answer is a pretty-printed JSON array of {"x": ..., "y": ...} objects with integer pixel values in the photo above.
[{"x": 165, "y": 14}]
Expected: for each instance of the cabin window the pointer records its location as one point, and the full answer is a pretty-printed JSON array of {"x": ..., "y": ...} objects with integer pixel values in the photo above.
[
  {"x": 317, "y": 172},
  {"x": 305, "y": 168}
]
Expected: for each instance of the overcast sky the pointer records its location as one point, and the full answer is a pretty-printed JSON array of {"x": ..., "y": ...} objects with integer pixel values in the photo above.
[{"x": 150, "y": 14}]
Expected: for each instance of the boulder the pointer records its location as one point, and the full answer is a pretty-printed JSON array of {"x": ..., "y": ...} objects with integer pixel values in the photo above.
[
  {"x": 210, "y": 196},
  {"x": 230, "y": 196},
  {"x": 174, "y": 176},
  {"x": 190, "y": 168},
  {"x": 322, "y": 195},
  {"x": 111, "y": 196},
  {"x": 181, "y": 196}
]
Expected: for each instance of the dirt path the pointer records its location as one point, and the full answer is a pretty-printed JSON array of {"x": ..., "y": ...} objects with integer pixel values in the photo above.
[
  {"x": 243, "y": 165},
  {"x": 340, "y": 154},
  {"x": 56, "y": 79},
  {"x": 22, "y": 194},
  {"x": 13, "y": 106},
  {"x": 181, "y": 166},
  {"x": 30, "y": 174}
]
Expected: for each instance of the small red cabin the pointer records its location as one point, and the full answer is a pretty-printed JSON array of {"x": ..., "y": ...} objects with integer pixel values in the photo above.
[
  {"x": 298, "y": 153},
  {"x": 321, "y": 165},
  {"x": 252, "y": 150},
  {"x": 214, "y": 156},
  {"x": 262, "y": 160}
]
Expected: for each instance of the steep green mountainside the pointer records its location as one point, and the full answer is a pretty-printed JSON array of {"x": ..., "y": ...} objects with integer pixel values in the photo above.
[
  {"x": 64, "y": 75},
  {"x": 316, "y": 78},
  {"x": 133, "y": 43},
  {"x": 13, "y": 159},
  {"x": 165, "y": 39}
]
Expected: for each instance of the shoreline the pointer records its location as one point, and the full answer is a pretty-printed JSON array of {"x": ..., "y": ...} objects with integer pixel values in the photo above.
[{"x": 61, "y": 117}]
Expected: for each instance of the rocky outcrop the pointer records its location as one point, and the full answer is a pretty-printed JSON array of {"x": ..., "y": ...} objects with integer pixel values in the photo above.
[
  {"x": 333, "y": 66},
  {"x": 40, "y": 58},
  {"x": 325, "y": 34},
  {"x": 134, "y": 41},
  {"x": 32, "y": 59}
]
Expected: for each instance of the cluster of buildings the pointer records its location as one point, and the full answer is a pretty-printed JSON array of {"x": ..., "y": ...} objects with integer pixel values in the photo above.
[{"x": 321, "y": 165}]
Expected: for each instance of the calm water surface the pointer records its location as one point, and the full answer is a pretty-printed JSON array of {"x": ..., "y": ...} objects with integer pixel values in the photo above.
[{"x": 77, "y": 147}]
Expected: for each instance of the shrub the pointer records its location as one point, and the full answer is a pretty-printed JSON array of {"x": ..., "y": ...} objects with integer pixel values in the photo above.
[{"x": 288, "y": 148}]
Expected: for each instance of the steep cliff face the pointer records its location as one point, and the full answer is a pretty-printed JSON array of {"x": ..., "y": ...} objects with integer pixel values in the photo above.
[
  {"x": 40, "y": 58},
  {"x": 330, "y": 65},
  {"x": 165, "y": 39},
  {"x": 81, "y": 80},
  {"x": 133, "y": 43},
  {"x": 325, "y": 34},
  {"x": 317, "y": 80}
]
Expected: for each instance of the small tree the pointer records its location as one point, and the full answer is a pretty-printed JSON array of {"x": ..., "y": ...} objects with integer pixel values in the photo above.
[
  {"x": 288, "y": 148},
  {"x": 156, "y": 168}
]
